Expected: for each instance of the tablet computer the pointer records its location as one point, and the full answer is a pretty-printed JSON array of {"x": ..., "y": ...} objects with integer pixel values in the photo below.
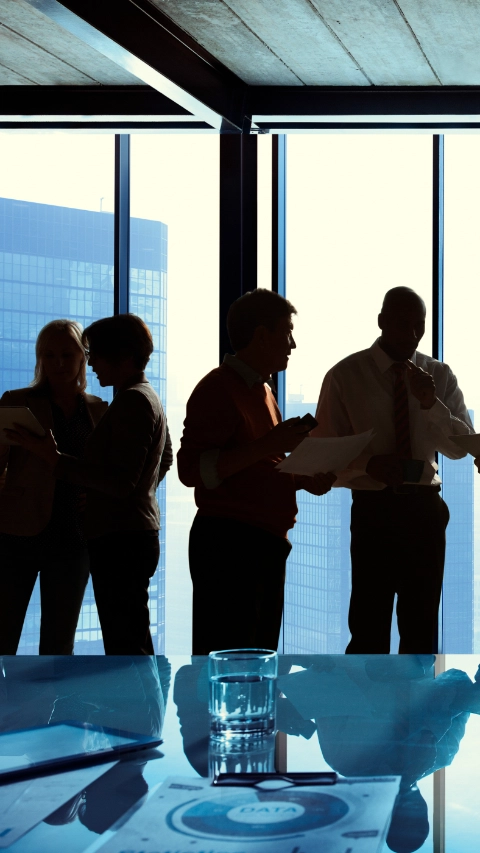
[
  {"x": 10, "y": 415},
  {"x": 64, "y": 746}
]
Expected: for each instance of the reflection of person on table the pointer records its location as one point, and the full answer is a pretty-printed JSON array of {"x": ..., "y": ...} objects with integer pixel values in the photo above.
[
  {"x": 231, "y": 444},
  {"x": 41, "y": 528},
  {"x": 382, "y": 716},
  {"x": 126, "y": 457},
  {"x": 124, "y": 692},
  {"x": 414, "y": 404}
]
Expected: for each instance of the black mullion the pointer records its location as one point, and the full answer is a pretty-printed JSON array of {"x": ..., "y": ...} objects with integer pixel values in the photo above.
[
  {"x": 438, "y": 296},
  {"x": 279, "y": 213},
  {"x": 121, "y": 245},
  {"x": 238, "y": 224}
]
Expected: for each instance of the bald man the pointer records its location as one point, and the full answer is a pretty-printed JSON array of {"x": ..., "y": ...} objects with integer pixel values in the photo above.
[{"x": 413, "y": 403}]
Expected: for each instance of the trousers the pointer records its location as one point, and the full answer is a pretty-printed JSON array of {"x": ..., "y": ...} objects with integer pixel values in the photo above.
[
  {"x": 63, "y": 578},
  {"x": 397, "y": 547},
  {"x": 121, "y": 565},
  {"x": 238, "y": 576}
]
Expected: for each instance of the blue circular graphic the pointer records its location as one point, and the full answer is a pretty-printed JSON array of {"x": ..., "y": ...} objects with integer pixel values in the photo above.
[{"x": 210, "y": 817}]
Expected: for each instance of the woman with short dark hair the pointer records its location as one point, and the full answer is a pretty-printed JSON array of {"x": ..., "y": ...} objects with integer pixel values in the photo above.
[{"x": 126, "y": 457}]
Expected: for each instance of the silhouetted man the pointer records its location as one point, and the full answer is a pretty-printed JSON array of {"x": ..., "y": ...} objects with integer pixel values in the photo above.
[
  {"x": 398, "y": 524},
  {"x": 232, "y": 441}
]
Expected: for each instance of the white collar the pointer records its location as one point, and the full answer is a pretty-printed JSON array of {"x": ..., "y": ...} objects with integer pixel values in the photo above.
[{"x": 382, "y": 360}]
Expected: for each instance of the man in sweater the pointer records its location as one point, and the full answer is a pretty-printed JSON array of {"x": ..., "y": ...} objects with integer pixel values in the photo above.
[{"x": 232, "y": 441}]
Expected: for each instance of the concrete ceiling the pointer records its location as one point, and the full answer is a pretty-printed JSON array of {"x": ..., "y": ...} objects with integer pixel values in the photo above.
[
  {"x": 338, "y": 42},
  {"x": 36, "y": 50},
  {"x": 270, "y": 42}
]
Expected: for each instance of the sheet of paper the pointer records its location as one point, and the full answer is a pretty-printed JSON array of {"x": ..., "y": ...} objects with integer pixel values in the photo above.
[
  {"x": 352, "y": 815},
  {"x": 24, "y": 804},
  {"x": 470, "y": 443},
  {"x": 319, "y": 455}
]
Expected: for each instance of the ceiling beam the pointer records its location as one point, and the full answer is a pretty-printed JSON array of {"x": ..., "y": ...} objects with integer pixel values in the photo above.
[
  {"x": 92, "y": 107},
  {"x": 139, "y": 38},
  {"x": 283, "y": 108}
]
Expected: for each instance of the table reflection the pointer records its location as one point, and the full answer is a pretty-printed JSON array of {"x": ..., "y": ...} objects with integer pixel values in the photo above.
[{"x": 372, "y": 715}]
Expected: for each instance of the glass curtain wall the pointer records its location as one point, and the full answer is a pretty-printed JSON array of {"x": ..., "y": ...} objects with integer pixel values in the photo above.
[
  {"x": 175, "y": 186},
  {"x": 56, "y": 260},
  {"x": 461, "y": 600},
  {"x": 359, "y": 221}
]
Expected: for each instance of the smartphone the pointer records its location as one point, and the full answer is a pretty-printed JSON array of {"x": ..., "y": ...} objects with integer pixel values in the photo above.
[
  {"x": 412, "y": 470},
  {"x": 64, "y": 746},
  {"x": 309, "y": 421}
]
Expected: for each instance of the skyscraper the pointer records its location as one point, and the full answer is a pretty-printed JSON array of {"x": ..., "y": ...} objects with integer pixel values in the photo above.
[
  {"x": 58, "y": 262},
  {"x": 317, "y": 590},
  {"x": 458, "y": 586}
]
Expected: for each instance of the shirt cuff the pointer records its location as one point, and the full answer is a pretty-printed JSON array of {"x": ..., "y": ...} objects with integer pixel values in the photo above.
[{"x": 208, "y": 468}]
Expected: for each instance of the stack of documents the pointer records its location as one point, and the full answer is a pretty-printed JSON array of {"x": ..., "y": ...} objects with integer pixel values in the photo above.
[{"x": 352, "y": 815}]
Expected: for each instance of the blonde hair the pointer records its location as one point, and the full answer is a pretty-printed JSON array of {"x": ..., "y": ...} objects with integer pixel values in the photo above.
[{"x": 72, "y": 328}]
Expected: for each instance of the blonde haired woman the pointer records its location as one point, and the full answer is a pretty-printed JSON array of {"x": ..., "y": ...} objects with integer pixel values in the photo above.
[{"x": 40, "y": 517}]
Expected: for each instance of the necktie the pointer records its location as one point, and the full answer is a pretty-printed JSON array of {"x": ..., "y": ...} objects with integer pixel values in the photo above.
[{"x": 400, "y": 411}]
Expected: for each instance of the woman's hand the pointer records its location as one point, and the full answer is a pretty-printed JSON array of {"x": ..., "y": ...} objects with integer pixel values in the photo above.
[{"x": 45, "y": 447}]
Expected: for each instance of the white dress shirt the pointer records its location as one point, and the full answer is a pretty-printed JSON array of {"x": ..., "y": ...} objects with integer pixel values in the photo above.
[{"x": 357, "y": 395}]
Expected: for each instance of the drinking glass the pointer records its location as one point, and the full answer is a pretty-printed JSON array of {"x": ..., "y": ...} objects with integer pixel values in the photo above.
[{"x": 242, "y": 692}]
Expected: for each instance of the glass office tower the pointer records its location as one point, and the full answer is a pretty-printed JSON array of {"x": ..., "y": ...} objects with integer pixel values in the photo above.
[
  {"x": 317, "y": 590},
  {"x": 319, "y": 569},
  {"x": 459, "y": 582},
  {"x": 58, "y": 262}
]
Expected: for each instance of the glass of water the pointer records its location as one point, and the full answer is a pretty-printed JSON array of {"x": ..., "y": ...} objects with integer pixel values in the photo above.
[{"x": 242, "y": 692}]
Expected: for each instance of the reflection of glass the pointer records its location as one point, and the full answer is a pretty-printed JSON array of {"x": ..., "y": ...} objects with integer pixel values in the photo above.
[
  {"x": 241, "y": 755},
  {"x": 242, "y": 692},
  {"x": 56, "y": 260},
  {"x": 359, "y": 214},
  {"x": 175, "y": 181}
]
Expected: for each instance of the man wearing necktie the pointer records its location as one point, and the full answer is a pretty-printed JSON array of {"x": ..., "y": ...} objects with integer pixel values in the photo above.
[{"x": 413, "y": 403}]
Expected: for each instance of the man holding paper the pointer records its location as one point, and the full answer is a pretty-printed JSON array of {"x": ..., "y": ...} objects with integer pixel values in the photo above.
[
  {"x": 232, "y": 442},
  {"x": 413, "y": 404}
]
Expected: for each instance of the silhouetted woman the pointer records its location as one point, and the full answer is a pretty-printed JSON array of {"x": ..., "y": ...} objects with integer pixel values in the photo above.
[
  {"x": 41, "y": 529},
  {"x": 125, "y": 458}
]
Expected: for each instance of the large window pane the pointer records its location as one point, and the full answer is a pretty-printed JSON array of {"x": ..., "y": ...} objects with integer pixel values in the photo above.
[
  {"x": 175, "y": 185},
  {"x": 56, "y": 260},
  {"x": 461, "y": 615},
  {"x": 359, "y": 221}
]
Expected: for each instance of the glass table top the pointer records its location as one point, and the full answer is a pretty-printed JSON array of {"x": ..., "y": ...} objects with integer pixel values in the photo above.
[{"x": 417, "y": 717}]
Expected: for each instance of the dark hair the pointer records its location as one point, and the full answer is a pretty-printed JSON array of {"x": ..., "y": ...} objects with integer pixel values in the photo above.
[
  {"x": 115, "y": 338},
  {"x": 259, "y": 307}
]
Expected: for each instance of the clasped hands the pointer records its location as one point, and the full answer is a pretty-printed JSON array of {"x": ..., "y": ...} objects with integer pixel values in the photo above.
[{"x": 43, "y": 446}]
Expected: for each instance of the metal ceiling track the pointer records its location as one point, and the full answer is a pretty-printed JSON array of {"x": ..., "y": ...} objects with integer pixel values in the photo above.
[{"x": 140, "y": 39}]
